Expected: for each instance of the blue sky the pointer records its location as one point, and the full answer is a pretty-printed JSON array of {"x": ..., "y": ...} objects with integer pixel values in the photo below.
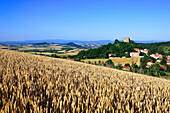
[{"x": 84, "y": 19}]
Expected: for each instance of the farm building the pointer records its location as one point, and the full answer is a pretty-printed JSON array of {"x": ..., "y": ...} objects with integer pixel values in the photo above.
[
  {"x": 126, "y": 68},
  {"x": 156, "y": 56},
  {"x": 142, "y": 50},
  {"x": 134, "y": 54},
  {"x": 112, "y": 54},
  {"x": 149, "y": 63}
]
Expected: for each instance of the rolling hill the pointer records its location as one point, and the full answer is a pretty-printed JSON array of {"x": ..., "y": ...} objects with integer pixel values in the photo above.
[
  {"x": 31, "y": 83},
  {"x": 74, "y": 45},
  {"x": 119, "y": 48}
]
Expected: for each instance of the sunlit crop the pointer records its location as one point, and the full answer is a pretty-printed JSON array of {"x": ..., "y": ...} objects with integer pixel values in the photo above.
[{"x": 30, "y": 83}]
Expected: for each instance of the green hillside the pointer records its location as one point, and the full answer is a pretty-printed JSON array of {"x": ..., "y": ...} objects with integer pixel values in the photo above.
[
  {"x": 74, "y": 45},
  {"x": 119, "y": 48}
]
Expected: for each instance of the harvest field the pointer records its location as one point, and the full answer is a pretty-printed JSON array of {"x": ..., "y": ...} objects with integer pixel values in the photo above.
[
  {"x": 116, "y": 61},
  {"x": 32, "y": 83}
]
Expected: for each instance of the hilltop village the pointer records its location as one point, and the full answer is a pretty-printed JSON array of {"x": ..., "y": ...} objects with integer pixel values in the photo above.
[
  {"x": 138, "y": 52},
  {"x": 154, "y": 58}
]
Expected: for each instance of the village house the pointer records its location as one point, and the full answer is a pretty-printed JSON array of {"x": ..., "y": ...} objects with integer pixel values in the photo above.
[
  {"x": 70, "y": 59},
  {"x": 136, "y": 49},
  {"x": 156, "y": 56},
  {"x": 148, "y": 66},
  {"x": 168, "y": 63},
  {"x": 112, "y": 54},
  {"x": 134, "y": 54},
  {"x": 150, "y": 63},
  {"x": 142, "y": 50},
  {"x": 126, "y": 68},
  {"x": 159, "y": 60},
  {"x": 163, "y": 67},
  {"x": 167, "y": 60},
  {"x": 168, "y": 56}
]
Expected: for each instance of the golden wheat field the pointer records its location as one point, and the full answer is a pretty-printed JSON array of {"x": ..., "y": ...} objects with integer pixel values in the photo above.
[
  {"x": 30, "y": 83},
  {"x": 116, "y": 61}
]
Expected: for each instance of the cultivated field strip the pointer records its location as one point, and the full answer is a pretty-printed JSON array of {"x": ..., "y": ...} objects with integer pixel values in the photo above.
[
  {"x": 30, "y": 83},
  {"x": 116, "y": 61}
]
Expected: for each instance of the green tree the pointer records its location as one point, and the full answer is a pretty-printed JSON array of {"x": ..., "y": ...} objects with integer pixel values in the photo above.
[
  {"x": 89, "y": 62},
  {"x": 134, "y": 65},
  {"x": 103, "y": 64},
  {"x": 119, "y": 66},
  {"x": 168, "y": 68},
  {"x": 156, "y": 69},
  {"x": 148, "y": 58},
  {"x": 141, "y": 54},
  {"x": 127, "y": 65},
  {"x": 116, "y": 41},
  {"x": 99, "y": 62},
  {"x": 143, "y": 62},
  {"x": 127, "y": 55},
  {"x": 163, "y": 62},
  {"x": 109, "y": 63}
]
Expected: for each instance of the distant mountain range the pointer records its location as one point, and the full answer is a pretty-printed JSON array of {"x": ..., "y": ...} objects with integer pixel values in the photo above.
[
  {"x": 61, "y": 41},
  {"x": 56, "y": 41}
]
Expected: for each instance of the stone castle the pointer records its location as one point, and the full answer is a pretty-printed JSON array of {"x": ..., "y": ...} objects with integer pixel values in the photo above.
[{"x": 126, "y": 39}]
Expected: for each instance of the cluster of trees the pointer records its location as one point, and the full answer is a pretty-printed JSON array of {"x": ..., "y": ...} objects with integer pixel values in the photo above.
[
  {"x": 119, "y": 48},
  {"x": 57, "y": 56},
  {"x": 155, "y": 69}
]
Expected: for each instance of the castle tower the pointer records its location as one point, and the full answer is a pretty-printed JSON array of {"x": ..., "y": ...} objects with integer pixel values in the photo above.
[{"x": 126, "y": 39}]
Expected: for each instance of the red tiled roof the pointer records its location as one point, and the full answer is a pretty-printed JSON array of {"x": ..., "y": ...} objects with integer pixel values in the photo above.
[
  {"x": 157, "y": 55},
  {"x": 148, "y": 66},
  {"x": 146, "y": 50},
  {"x": 136, "y": 49},
  {"x": 167, "y": 59},
  {"x": 71, "y": 59},
  {"x": 126, "y": 67},
  {"x": 162, "y": 66}
]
